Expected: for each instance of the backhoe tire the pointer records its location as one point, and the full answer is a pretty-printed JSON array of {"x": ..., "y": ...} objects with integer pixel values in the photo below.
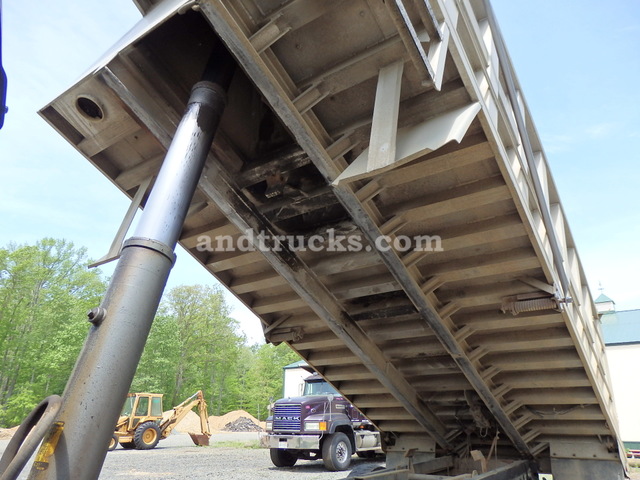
[
  {"x": 336, "y": 452},
  {"x": 282, "y": 458},
  {"x": 113, "y": 443},
  {"x": 146, "y": 436}
]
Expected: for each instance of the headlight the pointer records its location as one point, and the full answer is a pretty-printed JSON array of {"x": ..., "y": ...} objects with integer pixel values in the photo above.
[
  {"x": 269, "y": 426},
  {"x": 315, "y": 426}
]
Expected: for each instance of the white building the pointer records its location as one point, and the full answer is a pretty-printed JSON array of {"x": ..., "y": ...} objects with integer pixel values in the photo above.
[
  {"x": 294, "y": 375},
  {"x": 621, "y": 332}
]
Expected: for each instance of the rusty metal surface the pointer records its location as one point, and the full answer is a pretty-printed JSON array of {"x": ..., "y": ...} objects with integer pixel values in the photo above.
[{"x": 200, "y": 439}]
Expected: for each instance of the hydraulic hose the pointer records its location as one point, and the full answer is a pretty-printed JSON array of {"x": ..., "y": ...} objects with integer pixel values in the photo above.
[{"x": 28, "y": 436}]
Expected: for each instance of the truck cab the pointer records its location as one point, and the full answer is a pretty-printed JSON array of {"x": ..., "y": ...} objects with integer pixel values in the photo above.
[{"x": 319, "y": 424}]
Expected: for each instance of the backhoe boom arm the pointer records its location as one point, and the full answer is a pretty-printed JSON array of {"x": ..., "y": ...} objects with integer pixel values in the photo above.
[{"x": 181, "y": 411}]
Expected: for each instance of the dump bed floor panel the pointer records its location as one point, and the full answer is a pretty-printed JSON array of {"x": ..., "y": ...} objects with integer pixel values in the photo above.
[{"x": 423, "y": 283}]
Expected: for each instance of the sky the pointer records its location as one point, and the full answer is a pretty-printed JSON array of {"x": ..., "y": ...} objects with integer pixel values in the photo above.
[
  {"x": 578, "y": 65},
  {"x": 577, "y": 62}
]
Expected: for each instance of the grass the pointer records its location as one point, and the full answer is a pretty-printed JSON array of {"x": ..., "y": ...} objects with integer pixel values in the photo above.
[{"x": 237, "y": 444}]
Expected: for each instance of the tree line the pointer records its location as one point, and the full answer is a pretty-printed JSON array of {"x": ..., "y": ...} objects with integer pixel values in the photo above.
[{"x": 194, "y": 344}]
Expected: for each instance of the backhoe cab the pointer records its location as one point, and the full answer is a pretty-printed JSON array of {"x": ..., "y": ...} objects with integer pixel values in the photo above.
[{"x": 142, "y": 423}]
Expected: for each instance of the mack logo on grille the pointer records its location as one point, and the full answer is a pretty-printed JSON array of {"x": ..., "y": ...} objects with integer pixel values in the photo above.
[{"x": 287, "y": 417}]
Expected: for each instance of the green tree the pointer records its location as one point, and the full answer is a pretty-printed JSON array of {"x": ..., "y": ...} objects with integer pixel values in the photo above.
[
  {"x": 45, "y": 292},
  {"x": 156, "y": 369},
  {"x": 265, "y": 376},
  {"x": 194, "y": 345}
]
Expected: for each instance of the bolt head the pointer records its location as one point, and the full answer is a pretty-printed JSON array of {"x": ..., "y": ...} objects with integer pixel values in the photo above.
[{"x": 96, "y": 315}]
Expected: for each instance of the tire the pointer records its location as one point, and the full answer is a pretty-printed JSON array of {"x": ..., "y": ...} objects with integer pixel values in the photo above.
[
  {"x": 146, "y": 436},
  {"x": 336, "y": 452},
  {"x": 113, "y": 443},
  {"x": 127, "y": 445},
  {"x": 282, "y": 458}
]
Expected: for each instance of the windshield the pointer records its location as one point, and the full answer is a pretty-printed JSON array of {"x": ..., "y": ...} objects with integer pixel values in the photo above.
[
  {"x": 127, "y": 408},
  {"x": 319, "y": 388}
]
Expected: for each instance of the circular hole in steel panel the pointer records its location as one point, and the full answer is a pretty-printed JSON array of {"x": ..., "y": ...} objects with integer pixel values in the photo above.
[{"x": 89, "y": 108}]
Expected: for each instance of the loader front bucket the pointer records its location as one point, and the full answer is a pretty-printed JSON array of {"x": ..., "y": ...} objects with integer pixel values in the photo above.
[{"x": 200, "y": 439}]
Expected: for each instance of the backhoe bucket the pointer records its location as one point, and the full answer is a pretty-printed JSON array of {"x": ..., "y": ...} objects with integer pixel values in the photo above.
[{"x": 200, "y": 439}]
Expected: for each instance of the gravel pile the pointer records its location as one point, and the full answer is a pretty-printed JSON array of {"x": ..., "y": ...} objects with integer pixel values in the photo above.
[
  {"x": 191, "y": 422},
  {"x": 242, "y": 424}
]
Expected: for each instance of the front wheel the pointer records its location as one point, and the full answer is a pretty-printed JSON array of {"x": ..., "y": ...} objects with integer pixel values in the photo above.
[
  {"x": 113, "y": 443},
  {"x": 336, "y": 452},
  {"x": 146, "y": 436},
  {"x": 282, "y": 458}
]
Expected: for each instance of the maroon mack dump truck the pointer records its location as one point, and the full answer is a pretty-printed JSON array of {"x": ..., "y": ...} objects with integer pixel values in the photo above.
[{"x": 319, "y": 424}]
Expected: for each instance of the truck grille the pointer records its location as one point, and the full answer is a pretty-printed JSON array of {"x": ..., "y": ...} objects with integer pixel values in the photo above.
[{"x": 287, "y": 418}]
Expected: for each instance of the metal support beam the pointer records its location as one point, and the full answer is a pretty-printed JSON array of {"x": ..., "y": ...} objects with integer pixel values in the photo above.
[
  {"x": 292, "y": 16},
  {"x": 505, "y": 66},
  {"x": 220, "y": 189},
  {"x": 411, "y": 41},
  {"x": 231, "y": 33},
  {"x": 522, "y": 470},
  {"x": 216, "y": 184},
  {"x": 409, "y": 144},
  {"x": 116, "y": 245},
  {"x": 431, "y": 317},
  {"x": 282, "y": 161},
  {"x": 384, "y": 126},
  {"x": 77, "y": 444}
]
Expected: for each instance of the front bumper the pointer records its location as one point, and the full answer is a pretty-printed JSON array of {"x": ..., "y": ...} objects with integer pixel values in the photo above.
[{"x": 294, "y": 442}]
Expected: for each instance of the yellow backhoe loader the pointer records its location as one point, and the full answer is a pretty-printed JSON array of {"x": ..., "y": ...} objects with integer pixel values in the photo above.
[{"x": 142, "y": 423}]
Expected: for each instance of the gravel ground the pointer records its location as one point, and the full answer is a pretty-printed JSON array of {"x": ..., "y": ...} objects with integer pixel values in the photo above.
[{"x": 176, "y": 458}]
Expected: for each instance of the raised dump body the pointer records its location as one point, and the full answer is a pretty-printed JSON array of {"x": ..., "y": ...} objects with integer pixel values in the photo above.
[{"x": 378, "y": 196}]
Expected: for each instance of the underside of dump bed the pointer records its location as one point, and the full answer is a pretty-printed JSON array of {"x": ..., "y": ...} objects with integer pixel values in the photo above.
[{"x": 371, "y": 198}]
